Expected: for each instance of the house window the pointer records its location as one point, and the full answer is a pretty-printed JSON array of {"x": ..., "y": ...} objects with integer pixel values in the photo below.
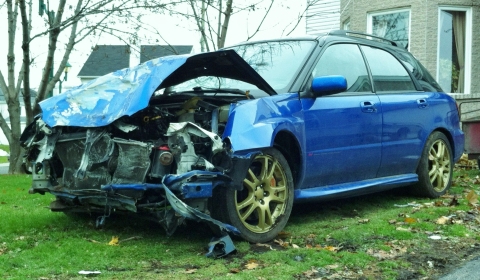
[
  {"x": 454, "y": 49},
  {"x": 346, "y": 24},
  {"x": 392, "y": 25}
]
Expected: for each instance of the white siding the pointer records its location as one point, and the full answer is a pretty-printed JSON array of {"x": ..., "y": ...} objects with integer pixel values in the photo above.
[{"x": 323, "y": 16}]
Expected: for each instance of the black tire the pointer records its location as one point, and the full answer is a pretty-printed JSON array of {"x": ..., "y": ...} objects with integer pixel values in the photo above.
[
  {"x": 267, "y": 192},
  {"x": 435, "y": 168}
]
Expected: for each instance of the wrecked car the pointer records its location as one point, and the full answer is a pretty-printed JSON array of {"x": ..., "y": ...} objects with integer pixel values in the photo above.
[{"x": 233, "y": 138}]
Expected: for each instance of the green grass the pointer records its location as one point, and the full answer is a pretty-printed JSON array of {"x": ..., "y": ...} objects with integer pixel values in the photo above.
[
  {"x": 4, "y": 159},
  {"x": 320, "y": 239}
]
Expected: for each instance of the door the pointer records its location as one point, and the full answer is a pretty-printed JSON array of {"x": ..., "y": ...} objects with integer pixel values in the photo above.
[
  {"x": 343, "y": 131},
  {"x": 406, "y": 111}
]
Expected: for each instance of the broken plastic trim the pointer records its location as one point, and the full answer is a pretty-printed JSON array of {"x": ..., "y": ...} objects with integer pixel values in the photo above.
[
  {"x": 220, "y": 247},
  {"x": 178, "y": 205}
]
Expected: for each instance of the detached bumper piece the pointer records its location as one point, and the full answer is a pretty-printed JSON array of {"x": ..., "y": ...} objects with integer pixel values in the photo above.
[{"x": 220, "y": 247}]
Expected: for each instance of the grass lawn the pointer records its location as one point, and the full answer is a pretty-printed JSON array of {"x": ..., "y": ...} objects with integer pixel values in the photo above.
[{"x": 381, "y": 236}]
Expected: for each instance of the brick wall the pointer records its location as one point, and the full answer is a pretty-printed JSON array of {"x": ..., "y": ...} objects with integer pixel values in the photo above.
[{"x": 423, "y": 27}]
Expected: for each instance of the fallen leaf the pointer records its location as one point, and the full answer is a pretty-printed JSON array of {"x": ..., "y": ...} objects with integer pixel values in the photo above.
[
  {"x": 264, "y": 245},
  {"x": 295, "y": 246},
  {"x": 252, "y": 264},
  {"x": 472, "y": 197},
  {"x": 442, "y": 220},
  {"x": 234, "y": 270},
  {"x": 332, "y": 266},
  {"x": 283, "y": 234},
  {"x": 403, "y": 229},
  {"x": 409, "y": 220},
  {"x": 363, "y": 221},
  {"x": 114, "y": 241},
  {"x": 190, "y": 271},
  {"x": 310, "y": 273},
  {"x": 439, "y": 203},
  {"x": 332, "y": 248}
]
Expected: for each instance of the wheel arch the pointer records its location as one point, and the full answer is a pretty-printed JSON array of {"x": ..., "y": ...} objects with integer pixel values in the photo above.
[
  {"x": 449, "y": 137},
  {"x": 289, "y": 146}
]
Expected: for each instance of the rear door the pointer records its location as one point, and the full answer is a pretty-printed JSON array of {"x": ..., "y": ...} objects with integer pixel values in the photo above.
[
  {"x": 343, "y": 131},
  {"x": 406, "y": 111}
]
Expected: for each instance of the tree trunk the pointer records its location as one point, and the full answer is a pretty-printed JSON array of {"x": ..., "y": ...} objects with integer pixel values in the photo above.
[{"x": 223, "y": 34}]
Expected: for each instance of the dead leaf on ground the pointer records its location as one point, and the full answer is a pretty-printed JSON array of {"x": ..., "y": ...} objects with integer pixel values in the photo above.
[
  {"x": 410, "y": 220},
  {"x": 114, "y": 241},
  {"x": 332, "y": 266},
  {"x": 281, "y": 243},
  {"x": 190, "y": 271},
  {"x": 283, "y": 234},
  {"x": 403, "y": 229},
  {"x": 363, "y": 221},
  {"x": 310, "y": 273},
  {"x": 264, "y": 245},
  {"x": 384, "y": 255},
  {"x": 472, "y": 197},
  {"x": 251, "y": 264},
  {"x": 442, "y": 220},
  {"x": 332, "y": 248}
]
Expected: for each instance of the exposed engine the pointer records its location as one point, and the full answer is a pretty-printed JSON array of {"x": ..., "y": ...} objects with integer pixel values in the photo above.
[{"x": 164, "y": 138}]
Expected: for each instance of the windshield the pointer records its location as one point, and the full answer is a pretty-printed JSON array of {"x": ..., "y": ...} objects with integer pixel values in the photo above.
[{"x": 277, "y": 62}]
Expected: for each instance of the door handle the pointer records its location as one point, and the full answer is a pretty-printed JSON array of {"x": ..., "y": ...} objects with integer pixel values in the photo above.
[
  {"x": 422, "y": 103},
  {"x": 368, "y": 107}
]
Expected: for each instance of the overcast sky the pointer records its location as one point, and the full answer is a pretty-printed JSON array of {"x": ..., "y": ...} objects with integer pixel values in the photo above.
[{"x": 173, "y": 30}]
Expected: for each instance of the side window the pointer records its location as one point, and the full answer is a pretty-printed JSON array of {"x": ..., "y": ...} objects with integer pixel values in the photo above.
[
  {"x": 422, "y": 75},
  {"x": 388, "y": 73},
  {"x": 345, "y": 60}
]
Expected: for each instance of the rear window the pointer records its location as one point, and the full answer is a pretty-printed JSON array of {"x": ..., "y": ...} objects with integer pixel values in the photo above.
[{"x": 387, "y": 72}]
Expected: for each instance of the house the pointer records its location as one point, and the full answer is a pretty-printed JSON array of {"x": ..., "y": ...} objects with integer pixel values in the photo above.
[
  {"x": 438, "y": 32},
  {"x": 322, "y": 16},
  {"x": 105, "y": 59}
]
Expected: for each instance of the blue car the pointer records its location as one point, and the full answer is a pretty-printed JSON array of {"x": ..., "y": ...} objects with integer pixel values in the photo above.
[{"x": 233, "y": 138}]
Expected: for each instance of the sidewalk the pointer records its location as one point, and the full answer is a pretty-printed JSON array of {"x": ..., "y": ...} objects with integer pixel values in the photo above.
[{"x": 4, "y": 168}]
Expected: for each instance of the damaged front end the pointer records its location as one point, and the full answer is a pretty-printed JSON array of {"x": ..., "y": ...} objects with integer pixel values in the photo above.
[
  {"x": 147, "y": 140},
  {"x": 147, "y": 164}
]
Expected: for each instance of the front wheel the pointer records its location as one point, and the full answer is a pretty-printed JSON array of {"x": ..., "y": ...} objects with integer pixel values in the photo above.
[
  {"x": 261, "y": 210},
  {"x": 435, "y": 168}
]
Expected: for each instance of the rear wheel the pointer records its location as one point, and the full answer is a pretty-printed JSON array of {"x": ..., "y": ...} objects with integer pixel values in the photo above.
[
  {"x": 436, "y": 167},
  {"x": 261, "y": 210}
]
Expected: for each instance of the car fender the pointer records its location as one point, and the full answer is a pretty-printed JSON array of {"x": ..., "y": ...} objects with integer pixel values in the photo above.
[{"x": 254, "y": 124}]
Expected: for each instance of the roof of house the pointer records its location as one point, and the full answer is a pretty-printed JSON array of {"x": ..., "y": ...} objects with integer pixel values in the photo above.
[
  {"x": 106, "y": 59},
  {"x": 148, "y": 52}
]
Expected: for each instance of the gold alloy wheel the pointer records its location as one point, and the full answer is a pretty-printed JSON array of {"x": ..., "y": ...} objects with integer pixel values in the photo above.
[
  {"x": 439, "y": 163},
  {"x": 263, "y": 198}
]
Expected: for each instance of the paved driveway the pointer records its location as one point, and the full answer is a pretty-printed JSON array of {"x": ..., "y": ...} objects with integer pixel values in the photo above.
[{"x": 3, "y": 168}]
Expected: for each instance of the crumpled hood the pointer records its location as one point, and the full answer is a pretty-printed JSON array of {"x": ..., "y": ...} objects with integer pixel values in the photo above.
[{"x": 127, "y": 91}]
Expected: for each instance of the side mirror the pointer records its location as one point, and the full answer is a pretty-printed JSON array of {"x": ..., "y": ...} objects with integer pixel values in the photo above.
[{"x": 327, "y": 85}]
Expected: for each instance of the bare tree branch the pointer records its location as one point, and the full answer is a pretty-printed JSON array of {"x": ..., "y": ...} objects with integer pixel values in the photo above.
[{"x": 261, "y": 22}]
